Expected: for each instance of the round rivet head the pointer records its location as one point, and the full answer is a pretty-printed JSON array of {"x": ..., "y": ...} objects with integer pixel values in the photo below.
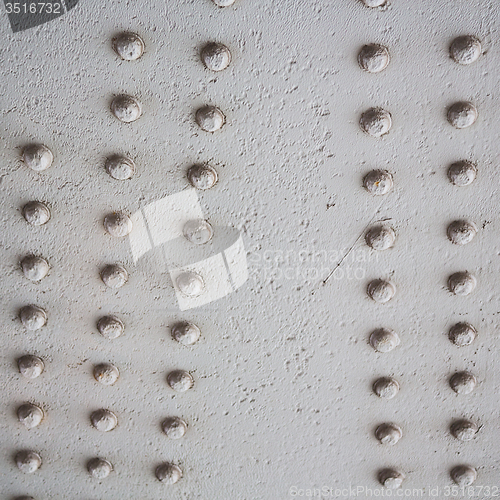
[
  {"x": 33, "y": 317},
  {"x": 463, "y": 475},
  {"x": 465, "y": 49},
  {"x": 30, "y": 366},
  {"x": 168, "y": 473},
  {"x": 391, "y": 478},
  {"x": 190, "y": 284},
  {"x": 38, "y": 157},
  {"x": 381, "y": 291},
  {"x": 384, "y": 340},
  {"x": 388, "y": 434},
  {"x": 180, "y": 380},
  {"x": 461, "y": 232},
  {"x": 129, "y": 46},
  {"x": 202, "y": 176},
  {"x": 210, "y": 118},
  {"x": 462, "y": 283},
  {"x": 216, "y": 56},
  {"x": 376, "y": 122},
  {"x": 462, "y": 334},
  {"x": 106, "y": 373},
  {"x": 380, "y": 237},
  {"x": 386, "y": 387},
  {"x": 174, "y": 427},
  {"x": 29, "y": 415},
  {"x": 126, "y": 108},
  {"x": 463, "y": 382},
  {"x": 118, "y": 224},
  {"x": 462, "y": 173},
  {"x": 110, "y": 327},
  {"x": 99, "y": 468},
  {"x": 28, "y": 461},
  {"x": 186, "y": 333},
  {"x": 198, "y": 231},
  {"x": 114, "y": 276},
  {"x": 373, "y": 58},
  {"x": 120, "y": 167},
  {"x": 378, "y": 182},
  {"x": 36, "y": 213},
  {"x": 104, "y": 420},
  {"x": 464, "y": 430},
  {"x": 462, "y": 114},
  {"x": 34, "y": 268}
]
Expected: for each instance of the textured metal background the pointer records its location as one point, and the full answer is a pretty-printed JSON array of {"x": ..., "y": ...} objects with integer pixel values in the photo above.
[{"x": 283, "y": 370}]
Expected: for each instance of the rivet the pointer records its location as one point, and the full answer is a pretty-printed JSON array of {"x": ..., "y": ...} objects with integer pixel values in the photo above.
[
  {"x": 168, "y": 473},
  {"x": 374, "y": 3},
  {"x": 465, "y": 49},
  {"x": 388, "y": 433},
  {"x": 391, "y": 478},
  {"x": 32, "y": 317},
  {"x": 202, "y": 176},
  {"x": 462, "y": 173},
  {"x": 180, "y": 380},
  {"x": 110, "y": 327},
  {"x": 30, "y": 366},
  {"x": 378, "y": 182},
  {"x": 129, "y": 46},
  {"x": 104, "y": 420},
  {"x": 210, "y": 118},
  {"x": 106, "y": 373},
  {"x": 28, "y": 461},
  {"x": 34, "y": 268},
  {"x": 463, "y": 382},
  {"x": 384, "y": 340},
  {"x": 462, "y": 114},
  {"x": 462, "y": 283},
  {"x": 461, "y": 232},
  {"x": 381, "y": 291},
  {"x": 465, "y": 430},
  {"x": 99, "y": 468},
  {"x": 380, "y": 237},
  {"x": 216, "y": 56},
  {"x": 373, "y": 58},
  {"x": 376, "y": 122},
  {"x": 197, "y": 231},
  {"x": 126, "y": 108},
  {"x": 36, "y": 213},
  {"x": 386, "y": 387},
  {"x": 38, "y": 157},
  {"x": 118, "y": 224},
  {"x": 174, "y": 427},
  {"x": 114, "y": 276},
  {"x": 190, "y": 283},
  {"x": 120, "y": 167},
  {"x": 463, "y": 475},
  {"x": 29, "y": 415},
  {"x": 462, "y": 334},
  {"x": 186, "y": 333}
]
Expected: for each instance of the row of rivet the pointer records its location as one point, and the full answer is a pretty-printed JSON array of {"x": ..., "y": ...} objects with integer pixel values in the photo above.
[
  {"x": 463, "y": 50},
  {"x": 377, "y": 122},
  {"x": 38, "y": 157}
]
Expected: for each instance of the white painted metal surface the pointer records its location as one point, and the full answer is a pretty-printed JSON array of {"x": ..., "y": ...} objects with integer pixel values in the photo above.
[{"x": 282, "y": 401}]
